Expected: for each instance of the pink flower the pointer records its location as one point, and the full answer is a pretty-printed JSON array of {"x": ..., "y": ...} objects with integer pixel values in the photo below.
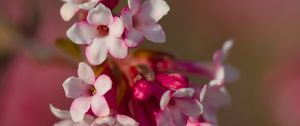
[
  {"x": 177, "y": 107},
  {"x": 141, "y": 20},
  {"x": 66, "y": 120},
  {"x": 102, "y": 33},
  {"x": 71, "y": 7},
  {"x": 118, "y": 120},
  {"x": 87, "y": 93}
]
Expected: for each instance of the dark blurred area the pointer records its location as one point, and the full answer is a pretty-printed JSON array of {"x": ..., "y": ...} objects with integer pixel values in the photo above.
[{"x": 266, "y": 52}]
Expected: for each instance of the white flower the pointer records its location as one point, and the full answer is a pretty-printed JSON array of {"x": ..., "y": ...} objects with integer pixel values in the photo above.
[
  {"x": 141, "y": 20},
  {"x": 102, "y": 33},
  {"x": 71, "y": 7},
  {"x": 87, "y": 93}
]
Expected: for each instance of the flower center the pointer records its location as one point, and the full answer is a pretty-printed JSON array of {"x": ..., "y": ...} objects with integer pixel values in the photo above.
[
  {"x": 92, "y": 90},
  {"x": 103, "y": 30},
  {"x": 172, "y": 102}
]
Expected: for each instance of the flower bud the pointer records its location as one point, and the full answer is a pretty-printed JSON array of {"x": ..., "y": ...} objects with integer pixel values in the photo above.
[
  {"x": 142, "y": 90},
  {"x": 172, "y": 81}
]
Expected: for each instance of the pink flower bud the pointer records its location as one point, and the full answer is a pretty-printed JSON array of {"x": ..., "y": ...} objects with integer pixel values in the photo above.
[
  {"x": 172, "y": 81},
  {"x": 142, "y": 90}
]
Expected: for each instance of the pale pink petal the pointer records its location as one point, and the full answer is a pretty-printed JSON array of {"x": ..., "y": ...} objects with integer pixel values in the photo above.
[
  {"x": 177, "y": 117},
  {"x": 189, "y": 107},
  {"x": 116, "y": 28},
  {"x": 123, "y": 120},
  {"x": 74, "y": 87},
  {"x": 126, "y": 17},
  {"x": 231, "y": 73},
  {"x": 134, "y": 5},
  {"x": 96, "y": 52},
  {"x": 61, "y": 114},
  {"x": 104, "y": 121},
  {"x": 82, "y": 33},
  {"x": 100, "y": 15},
  {"x": 164, "y": 118},
  {"x": 133, "y": 38},
  {"x": 154, "y": 32},
  {"x": 88, "y": 5},
  {"x": 154, "y": 9},
  {"x": 103, "y": 84},
  {"x": 117, "y": 47},
  {"x": 164, "y": 100},
  {"x": 184, "y": 93},
  {"x": 86, "y": 73},
  {"x": 226, "y": 47},
  {"x": 66, "y": 123},
  {"x": 99, "y": 106},
  {"x": 68, "y": 10},
  {"x": 79, "y": 107}
]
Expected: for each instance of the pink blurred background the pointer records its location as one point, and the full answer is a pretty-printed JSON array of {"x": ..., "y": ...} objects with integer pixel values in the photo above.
[{"x": 266, "y": 51}]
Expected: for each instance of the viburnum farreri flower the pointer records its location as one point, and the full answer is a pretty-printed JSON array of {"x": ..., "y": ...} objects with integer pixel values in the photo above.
[
  {"x": 87, "y": 92},
  {"x": 101, "y": 33},
  {"x": 140, "y": 20},
  {"x": 71, "y": 7},
  {"x": 178, "y": 106}
]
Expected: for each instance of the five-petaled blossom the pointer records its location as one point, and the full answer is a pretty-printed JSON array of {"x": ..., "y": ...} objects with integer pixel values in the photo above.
[
  {"x": 87, "y": 93},
  {"x": 178, "y": 106},
  {"x": 101, "y": 33},
  {"x": 140, "y": 20},
  {"x": 71, "y": 7}
]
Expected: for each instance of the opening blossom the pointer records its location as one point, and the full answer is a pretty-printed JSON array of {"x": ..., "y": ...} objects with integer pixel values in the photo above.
[
  {"x": 87, "y": 93},
  {"x": 146, "y": 87}
]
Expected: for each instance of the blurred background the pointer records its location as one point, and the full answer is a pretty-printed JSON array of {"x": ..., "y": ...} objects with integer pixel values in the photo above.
[{"x": 266, "y": 51}]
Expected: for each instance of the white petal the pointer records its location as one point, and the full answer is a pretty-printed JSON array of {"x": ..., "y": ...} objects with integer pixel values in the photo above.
[
  {"x": 68, "y": 122},
  {"x": 124, "y": 120},
  {"x": 82, "y": 33},
  {"x": 133, "y": 38},
  {"x": 100, "y": 15},
  {"x": 164, "y": 100},
  {"x": 154, "y": 9},
  {"x": 99, "y": 106},
  {"x": 134, "y": 5},
  {"x": 79, "y": 107},
  {"x": 74, "y": 87},
  {"x": 86, "y": 73},
  {"x": 103, "y": 84},
  {"x": 61, "y": 114},
  {"x": 117, "y": 47},
  {"x": 68, "y": 10},
  {"x": 88, "y": 5},
  {"x": 226, "y": 47},
  {"x": 189, "y": 107},
  {"x": 103, "y": 121},
  {"x": 116, "y": 28},
  {"x": 154, "y": 32},
  {"x": 184, "y": 93},
  {"x": 96, "y": 52}
]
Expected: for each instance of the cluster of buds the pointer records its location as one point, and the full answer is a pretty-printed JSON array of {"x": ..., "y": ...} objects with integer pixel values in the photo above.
[{"x": 145, "y": 87}]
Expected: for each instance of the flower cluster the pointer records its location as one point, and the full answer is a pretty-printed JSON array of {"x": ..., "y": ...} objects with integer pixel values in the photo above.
[{"x": 145, "y": 87}]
